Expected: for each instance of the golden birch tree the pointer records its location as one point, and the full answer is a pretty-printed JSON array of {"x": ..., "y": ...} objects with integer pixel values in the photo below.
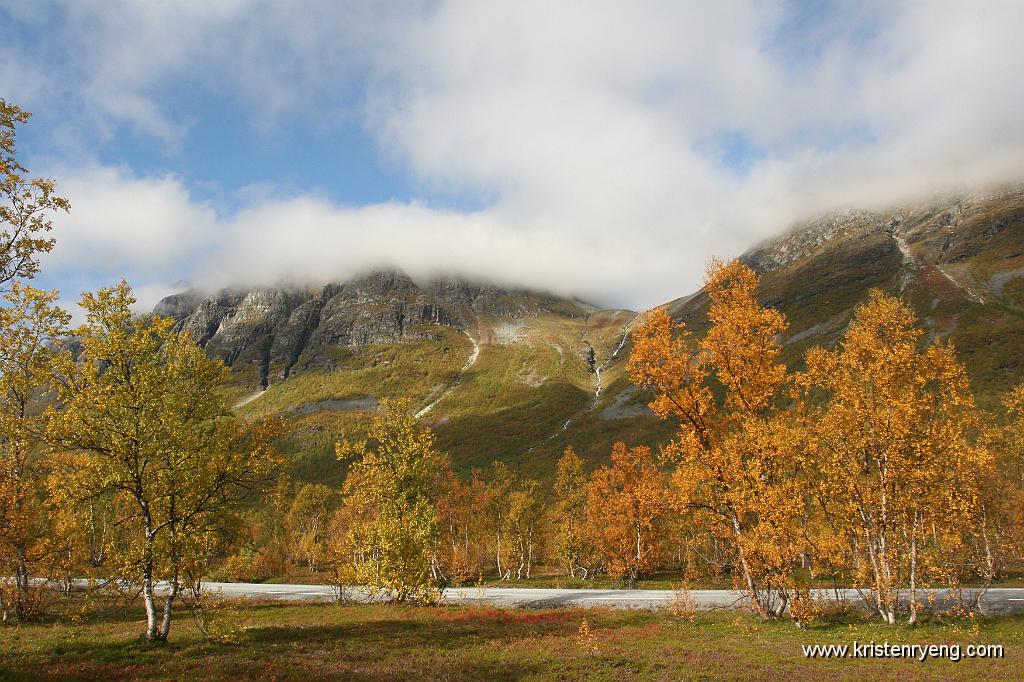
[
  {"x": 31, "y": 326},
  {"x": 901, "y": 478},
  {"x": 569, "y": 516},
  {"x": 307, "y": 523},
  {"x": 737, "y": 458},
  {"x": 462, "y": 547},
  {"x": 390, "y": 518},
  {"x": 25, "y": 205},
  {"x": 626, "y": 512},
  {"x": 1001, "y": 539},
  {"x": 524, "y": 525},
  {"x": 500, "y": 482}
]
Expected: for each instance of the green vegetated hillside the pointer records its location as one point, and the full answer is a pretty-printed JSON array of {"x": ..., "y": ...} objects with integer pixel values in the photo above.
[
  {"x": 498, "y": 374},
  {"x": 514, "y": 375},
  {"x": 529, "y": 376}
]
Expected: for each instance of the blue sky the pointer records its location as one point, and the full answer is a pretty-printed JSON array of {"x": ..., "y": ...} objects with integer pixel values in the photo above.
[{"x": 603, "y": 150}]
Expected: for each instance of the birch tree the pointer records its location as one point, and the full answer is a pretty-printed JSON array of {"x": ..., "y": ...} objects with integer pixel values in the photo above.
[
  {"x": 569, "y": 517},
  {"x": 901, "y": 476},
  {"x": 737, "y": 459},
  {"x": 500, "y": 482},
  {"x": 626, "y": 512},
  {"x": 30, "y": 327},
  {"x": 524, "y": 520},
  {"x": 307, "y": 522},
  {"x": 390, "y": 518},
  {"x": 142, "y": 406},
  {"x": 461, "y": 509},
  {"x": 25, "y": 205}
]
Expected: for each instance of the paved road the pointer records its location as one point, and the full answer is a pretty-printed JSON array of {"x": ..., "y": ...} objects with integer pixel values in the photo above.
[{"x": 1003, "y": 600}]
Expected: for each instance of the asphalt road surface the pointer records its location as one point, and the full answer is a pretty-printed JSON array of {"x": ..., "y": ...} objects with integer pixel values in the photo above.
[{"x": 996, "y": 600}]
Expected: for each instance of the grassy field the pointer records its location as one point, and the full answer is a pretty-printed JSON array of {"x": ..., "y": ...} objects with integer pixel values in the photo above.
[{"x": 286, "y": 642}]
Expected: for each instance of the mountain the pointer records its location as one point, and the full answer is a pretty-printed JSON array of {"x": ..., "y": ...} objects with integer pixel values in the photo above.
[
  {"x": 517, "y": 375},
  {"x": 958, "y": 261},
  {"x": 496, "y": 372}
]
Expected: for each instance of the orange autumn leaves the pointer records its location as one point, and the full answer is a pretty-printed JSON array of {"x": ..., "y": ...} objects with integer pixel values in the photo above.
[
  {"x": 867, "y": 465},
  {"x": 899, "y": 469},
  {"x": 627, "y": 511},
  {"x": 871, "y": 468},
  {"x": 734, "y": 459}
]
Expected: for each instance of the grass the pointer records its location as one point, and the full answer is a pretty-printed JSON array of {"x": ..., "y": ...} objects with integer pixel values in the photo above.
[
  {"x": 1014, "y": 291},
  {"x": 310, "y": 440},
  {"x": 416, "y": 370},
  {"x": 512, "y": 398},
  {"x": 412, "y": 370},
  {"x": 328, "y": 641}
]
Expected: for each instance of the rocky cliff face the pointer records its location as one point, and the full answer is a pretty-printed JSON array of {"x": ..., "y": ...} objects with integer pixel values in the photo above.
[
  {"x": 803, "y": 239},
  {"x": 278, "y": 330}
]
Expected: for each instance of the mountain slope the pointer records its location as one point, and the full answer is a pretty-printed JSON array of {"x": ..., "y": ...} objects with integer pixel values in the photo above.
[
  {"x": 495, "y": 372},
  {"x": 959, "y": 262}
]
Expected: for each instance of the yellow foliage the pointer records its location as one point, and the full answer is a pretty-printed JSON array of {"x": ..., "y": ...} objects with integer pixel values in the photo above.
[
  {"x": 900, "y": 475},
  {"x": 389, "y": 518},
  {"x": 586, "y": 638},
  {"x": 573, "y": 547},
  {"x": 154, "y": 440},
  {"x": 626, "y": 508},
  {"x": 30, "y": 326},
  {"x": 739, "y": 460},
  {"x": 25, "y": 205}
]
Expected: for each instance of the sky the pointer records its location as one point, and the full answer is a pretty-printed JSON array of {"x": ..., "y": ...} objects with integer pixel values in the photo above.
[{"x": 603, "y": 150}]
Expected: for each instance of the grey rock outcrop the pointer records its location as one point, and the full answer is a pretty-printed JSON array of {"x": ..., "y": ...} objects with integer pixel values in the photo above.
[{"x": 273, "y": 331}]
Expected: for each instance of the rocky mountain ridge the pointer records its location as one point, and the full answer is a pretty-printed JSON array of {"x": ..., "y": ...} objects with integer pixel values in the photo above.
[
  {"x": 935, "y": 221},
  {"x": 283, "y": 329}
]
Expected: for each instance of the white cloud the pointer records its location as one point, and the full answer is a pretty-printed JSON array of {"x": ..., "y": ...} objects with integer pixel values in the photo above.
[
  {"x": 122, "y": 223},
  {"x": 588, "y": 123}
]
